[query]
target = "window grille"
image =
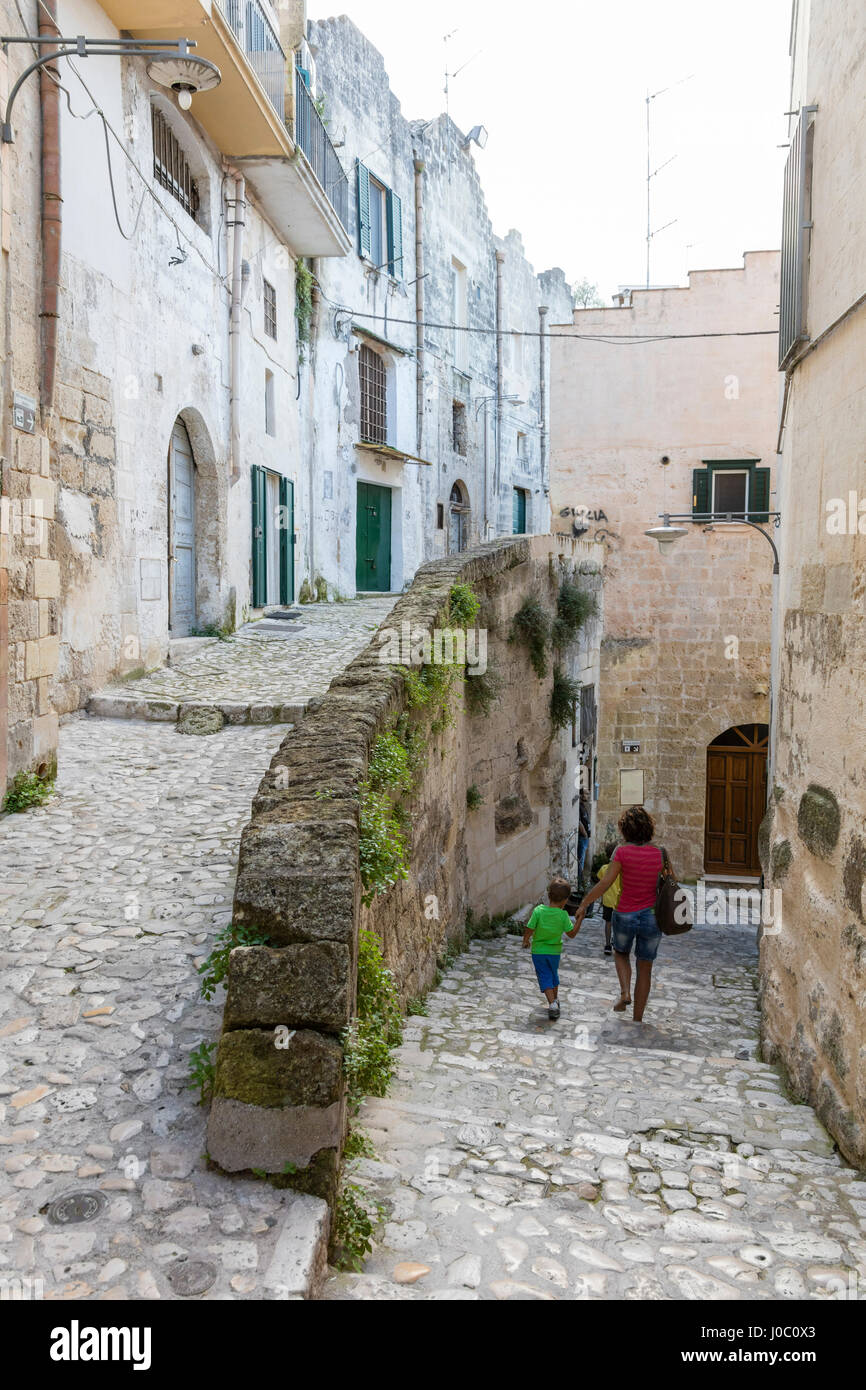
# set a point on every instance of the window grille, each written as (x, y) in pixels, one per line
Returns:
(374, 416)
(270, 310)
(170, 167)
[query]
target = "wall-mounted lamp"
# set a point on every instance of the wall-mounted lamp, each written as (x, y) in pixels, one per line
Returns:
(477, 135)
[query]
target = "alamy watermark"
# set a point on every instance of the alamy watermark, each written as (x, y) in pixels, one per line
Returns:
(447, 646)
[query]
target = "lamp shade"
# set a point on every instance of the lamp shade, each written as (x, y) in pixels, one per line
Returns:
(667, 536)
(187, 75)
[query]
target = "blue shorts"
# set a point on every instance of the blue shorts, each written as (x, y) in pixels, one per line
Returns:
(638, 929)
(547, 971)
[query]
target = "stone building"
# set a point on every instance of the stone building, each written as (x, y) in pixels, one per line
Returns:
(813, 965)
(682, 422)
(173, 422)
(424, 419)
(29, 573)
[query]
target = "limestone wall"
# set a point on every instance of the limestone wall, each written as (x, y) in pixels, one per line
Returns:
(814, 968)
(299, 877)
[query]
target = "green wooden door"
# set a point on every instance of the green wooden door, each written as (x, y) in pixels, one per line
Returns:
(373, 540)
(259, 519)
(519, 506)
(287, 541)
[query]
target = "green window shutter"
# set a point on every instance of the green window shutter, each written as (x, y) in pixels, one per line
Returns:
(364, 228)
(287, 541)
(700, 490)
(759, 494)
(260, 569)
(395, 234)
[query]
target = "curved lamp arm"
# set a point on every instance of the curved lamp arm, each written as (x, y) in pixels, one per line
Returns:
(731, 519)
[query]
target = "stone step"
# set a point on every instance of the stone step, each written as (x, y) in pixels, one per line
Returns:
(298, 1264)
(126, 705)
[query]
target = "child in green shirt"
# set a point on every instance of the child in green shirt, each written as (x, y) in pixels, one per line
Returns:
(544, 932)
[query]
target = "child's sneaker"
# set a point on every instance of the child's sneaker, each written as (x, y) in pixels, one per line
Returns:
(553, 1011)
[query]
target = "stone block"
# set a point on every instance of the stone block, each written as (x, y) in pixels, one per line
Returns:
(32, 454)
(299, 1260)
(298, 986)
(299, 882)
(199, 719)
(251, 1069)
(41, 657)
(46, 579)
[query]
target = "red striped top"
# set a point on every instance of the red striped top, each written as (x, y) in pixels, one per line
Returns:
(641, 866)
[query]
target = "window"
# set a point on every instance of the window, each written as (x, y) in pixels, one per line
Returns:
(460, 314)
(170, 167)
(374, 412)
(796, 234)
(458, 427)
(521, 445)
(736, 486)
(380, 223)
(440, 516)
(270, 310)
(270, 404)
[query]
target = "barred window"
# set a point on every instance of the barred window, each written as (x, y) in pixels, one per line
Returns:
(170, 167)
(270, 310)
(374, 417)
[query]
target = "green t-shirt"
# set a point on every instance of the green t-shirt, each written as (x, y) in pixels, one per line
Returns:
(548, 925)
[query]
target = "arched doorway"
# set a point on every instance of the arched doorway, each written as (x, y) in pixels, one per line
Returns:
(181, 533)
(736, 799)
(458, 519)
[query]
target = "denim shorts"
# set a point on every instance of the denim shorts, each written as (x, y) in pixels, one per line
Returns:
(547, 971)
(638, 929)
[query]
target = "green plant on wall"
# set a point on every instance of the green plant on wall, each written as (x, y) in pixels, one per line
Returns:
(352, 1233)
(304, 281)
(574, 607)
(562, 699)
(474, 799)
(377, 1027)
(480, 693)
(530, 626)
(215, 968)
(28, 789)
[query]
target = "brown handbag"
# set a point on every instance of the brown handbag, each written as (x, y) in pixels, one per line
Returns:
(673, 909)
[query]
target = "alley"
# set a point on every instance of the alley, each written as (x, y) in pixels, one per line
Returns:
(595, 1158)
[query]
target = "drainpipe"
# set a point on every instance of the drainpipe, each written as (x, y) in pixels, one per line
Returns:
(316, 302)
(419, 306)
(237, 223)
(542, 395)
(497, 470)
(52, 213)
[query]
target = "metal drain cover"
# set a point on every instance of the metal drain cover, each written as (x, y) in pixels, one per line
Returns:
(76, 1207)
(191, 1277)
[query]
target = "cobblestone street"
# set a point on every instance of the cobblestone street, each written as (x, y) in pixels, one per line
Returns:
(598, 1158)
(110, 895)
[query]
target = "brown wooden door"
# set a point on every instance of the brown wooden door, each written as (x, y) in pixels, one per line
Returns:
(736, 798)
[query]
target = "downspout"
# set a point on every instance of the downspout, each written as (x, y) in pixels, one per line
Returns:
(542, 395)
(237, 223)
(52, 213)
(497, 470)
(316, 303)
(419, 307)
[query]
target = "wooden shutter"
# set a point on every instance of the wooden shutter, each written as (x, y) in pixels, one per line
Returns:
(287, 541)
(759, 494)
(364, 227)
(259, 519)
(700, 490)
(395, 234)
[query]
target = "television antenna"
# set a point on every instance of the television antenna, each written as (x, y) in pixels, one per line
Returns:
(651, 173)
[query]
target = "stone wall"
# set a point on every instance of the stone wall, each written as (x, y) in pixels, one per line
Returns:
(813, 967)
(299, 877)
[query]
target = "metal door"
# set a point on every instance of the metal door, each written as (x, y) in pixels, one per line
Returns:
(373, 539)
(181, 483)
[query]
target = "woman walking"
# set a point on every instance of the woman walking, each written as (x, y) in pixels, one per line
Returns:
(637, 864)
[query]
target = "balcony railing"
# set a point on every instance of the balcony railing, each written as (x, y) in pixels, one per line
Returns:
(314, 140)
(259, 39)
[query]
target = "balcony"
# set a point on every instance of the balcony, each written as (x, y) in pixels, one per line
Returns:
(311, 135)
(249, 116)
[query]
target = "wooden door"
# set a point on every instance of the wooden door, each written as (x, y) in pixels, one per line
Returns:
(373, 539)
(736, 800)
(181, 482)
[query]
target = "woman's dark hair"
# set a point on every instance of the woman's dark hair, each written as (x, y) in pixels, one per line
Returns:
(636, 826)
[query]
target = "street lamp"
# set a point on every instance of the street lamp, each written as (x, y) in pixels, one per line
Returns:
(667, 535)
(173, 65)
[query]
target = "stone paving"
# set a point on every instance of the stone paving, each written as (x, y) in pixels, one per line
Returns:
(598, 1158)
(263, 674)
(111, 894)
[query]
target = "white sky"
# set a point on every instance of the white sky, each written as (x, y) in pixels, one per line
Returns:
(561, 86)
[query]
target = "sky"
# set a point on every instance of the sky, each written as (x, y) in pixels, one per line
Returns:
(561, 86)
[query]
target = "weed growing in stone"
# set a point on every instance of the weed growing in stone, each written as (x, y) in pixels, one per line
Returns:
(464, 605)
(357, 1145)
(562, 699)
(202, 1070)
(574, 607)
(480, 693)
(351, 1237)
(474, 799)
(215, 969)
(28, 789)
(416, 1007)
(377, 1027)
(530, 626)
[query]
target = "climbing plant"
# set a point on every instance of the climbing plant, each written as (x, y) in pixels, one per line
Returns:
(304, 281)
